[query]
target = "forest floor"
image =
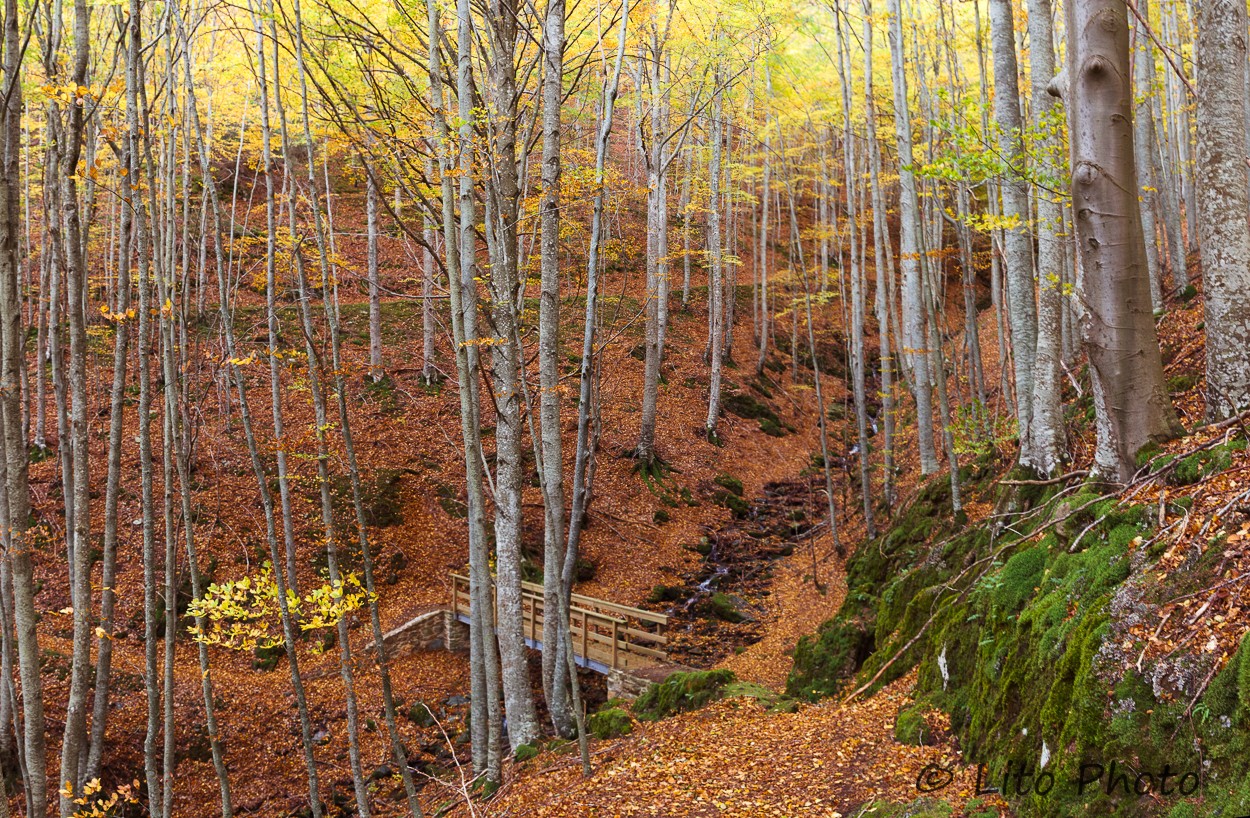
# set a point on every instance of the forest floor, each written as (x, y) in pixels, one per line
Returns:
(839, 758)
(732, 758)
(407, 436)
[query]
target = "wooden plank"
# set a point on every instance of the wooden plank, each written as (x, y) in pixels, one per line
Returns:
(602, 628)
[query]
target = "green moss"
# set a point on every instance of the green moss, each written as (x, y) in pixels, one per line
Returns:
(824, 661)
(266, 659)
(1019, 576)
(911, 728)
(722, 607)
(770, 700)
(920, 808)
(1145, 453)
(1181, 383)
(420, 715)
(449, 500)
(383, 392)
(745, 405)
(1200, 465)
(665, 593)
(772, 428)
(682, 692)
(1188, 293)
(728, 493)
(526, 752)
(729, 483)
(611, 722)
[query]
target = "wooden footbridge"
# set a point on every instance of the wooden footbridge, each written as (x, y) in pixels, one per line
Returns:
(606, 636)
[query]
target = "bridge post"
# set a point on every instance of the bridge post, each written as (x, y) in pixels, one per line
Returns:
(615, 637)
(455, 633)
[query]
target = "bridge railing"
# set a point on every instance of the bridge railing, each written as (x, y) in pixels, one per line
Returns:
(606, 636)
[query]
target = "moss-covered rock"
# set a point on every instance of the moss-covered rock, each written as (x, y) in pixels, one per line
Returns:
(1200, 465)
(1021, 638)
(723, 607)
(681, 692)
(911, 728)
(745, 405)
(770, 700)
(824, 661)
(729, 493)
(920, 808)
(729, 483)
(665, 593)
(611, 722)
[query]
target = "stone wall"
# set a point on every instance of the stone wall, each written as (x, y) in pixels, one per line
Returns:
(630, 685)
(426, 631)
(455, 633)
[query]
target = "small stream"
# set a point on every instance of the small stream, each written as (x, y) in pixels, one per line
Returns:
(738, 563)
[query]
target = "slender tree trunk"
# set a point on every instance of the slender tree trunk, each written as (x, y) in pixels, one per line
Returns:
(1017, 249)
(15, 536)
(882, 252)
(652, 160)
(1045, 447)
(852, 174)
(549, 364)
(314, 789)
(504, 191)
(376, 370)
(583, 463)
(483, 656)
(80, 534)
(1148, 172)
(1167, 172)
(765, 315)
(914, 341)
(715, 289)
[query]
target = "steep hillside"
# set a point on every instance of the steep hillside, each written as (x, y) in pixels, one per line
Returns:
(1076, 647)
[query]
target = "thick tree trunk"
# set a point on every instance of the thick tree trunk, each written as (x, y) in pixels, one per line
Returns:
(1222, 203)
(504, 192)
(1130, 397)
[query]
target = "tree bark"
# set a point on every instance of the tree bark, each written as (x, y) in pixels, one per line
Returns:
(549, 364)
(715, 287)
(1017, 249)
(1130, 397)
(915, 345)
(1222, 203)
(1045, 447)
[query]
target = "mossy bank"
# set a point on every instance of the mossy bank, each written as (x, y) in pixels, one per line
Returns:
(1027, 629)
